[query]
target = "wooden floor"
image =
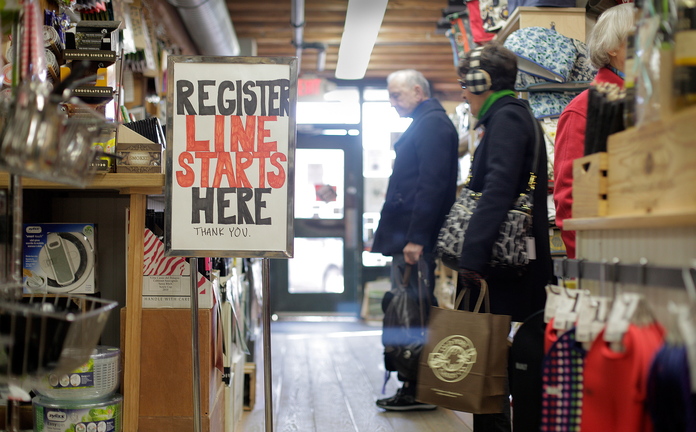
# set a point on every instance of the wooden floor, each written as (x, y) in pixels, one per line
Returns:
(327, 377)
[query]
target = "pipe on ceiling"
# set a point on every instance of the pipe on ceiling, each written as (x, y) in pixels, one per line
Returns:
(209, 25)
(297, 20)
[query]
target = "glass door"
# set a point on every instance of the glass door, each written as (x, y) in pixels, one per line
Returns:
(324, 274)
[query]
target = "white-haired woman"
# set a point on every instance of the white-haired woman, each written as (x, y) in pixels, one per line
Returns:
(607, 50)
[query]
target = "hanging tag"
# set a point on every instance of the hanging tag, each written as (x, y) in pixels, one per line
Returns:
(553, 294)
(620, 317)
(531, 248)
(600, 320)
(688, 333)
(566, 311)
(588, 309)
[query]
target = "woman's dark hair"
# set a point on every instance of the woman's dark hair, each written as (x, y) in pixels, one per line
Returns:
(499, 62)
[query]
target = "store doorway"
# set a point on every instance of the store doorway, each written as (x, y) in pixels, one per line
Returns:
(324, 275)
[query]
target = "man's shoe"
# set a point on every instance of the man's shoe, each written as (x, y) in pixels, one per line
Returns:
(403, 402)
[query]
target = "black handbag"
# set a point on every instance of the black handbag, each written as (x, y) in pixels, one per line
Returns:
(404, 331)
(510, 249)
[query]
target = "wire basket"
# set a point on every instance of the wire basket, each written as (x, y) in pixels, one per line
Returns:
(43, 334)
(39, 140)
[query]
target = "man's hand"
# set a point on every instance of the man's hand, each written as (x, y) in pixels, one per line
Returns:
(412, 252)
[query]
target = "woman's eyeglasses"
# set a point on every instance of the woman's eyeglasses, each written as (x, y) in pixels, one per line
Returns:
(462, 84)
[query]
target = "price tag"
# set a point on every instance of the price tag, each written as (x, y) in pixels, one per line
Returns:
(620, 317)
(553, 296)
(588, 309)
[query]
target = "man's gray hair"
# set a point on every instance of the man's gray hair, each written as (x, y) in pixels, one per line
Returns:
(412, 78)
(610, 32)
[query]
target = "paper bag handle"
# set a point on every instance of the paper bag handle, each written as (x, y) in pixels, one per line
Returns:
(483, 296)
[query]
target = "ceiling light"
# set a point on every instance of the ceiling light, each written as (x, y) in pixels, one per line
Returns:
(363, 20)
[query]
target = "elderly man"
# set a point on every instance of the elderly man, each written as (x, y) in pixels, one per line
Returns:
(421, 191)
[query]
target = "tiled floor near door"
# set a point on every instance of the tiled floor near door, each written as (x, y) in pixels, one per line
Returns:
(326, 378)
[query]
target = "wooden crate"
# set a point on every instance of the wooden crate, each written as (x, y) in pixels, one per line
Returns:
(166, 371)
(652, 169)
(590, 186)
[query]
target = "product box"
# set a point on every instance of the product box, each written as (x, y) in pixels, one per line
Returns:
(59, 258)
(137, 153)
(166, 280)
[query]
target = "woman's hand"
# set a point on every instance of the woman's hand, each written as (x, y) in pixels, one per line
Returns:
(412, 252)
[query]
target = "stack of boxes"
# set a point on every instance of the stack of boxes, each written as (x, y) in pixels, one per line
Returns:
(82, 400)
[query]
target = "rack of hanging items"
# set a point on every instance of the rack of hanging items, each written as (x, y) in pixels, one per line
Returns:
(619, 346)
(41, 333)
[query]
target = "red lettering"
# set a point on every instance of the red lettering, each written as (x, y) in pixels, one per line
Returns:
(261, 157)
(244, 161)
(262, 133)
(224, 168)
(242, 136)
(192, 144)
(277, 181)
(186, 177)
(205, 158)
(219, 133)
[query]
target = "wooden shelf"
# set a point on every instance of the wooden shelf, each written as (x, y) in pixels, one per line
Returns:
(571, 22)
(138, 187)
(631, 222)
(147, 184)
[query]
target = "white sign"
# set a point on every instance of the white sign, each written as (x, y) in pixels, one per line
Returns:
(230, 156)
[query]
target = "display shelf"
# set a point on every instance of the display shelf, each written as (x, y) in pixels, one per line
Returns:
(148, 184)
(571, 22)
(138, 187)
(631, 222)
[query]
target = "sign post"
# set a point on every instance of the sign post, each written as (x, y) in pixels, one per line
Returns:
(230, 169)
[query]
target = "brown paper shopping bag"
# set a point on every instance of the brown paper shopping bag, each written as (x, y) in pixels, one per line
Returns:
(463, 365)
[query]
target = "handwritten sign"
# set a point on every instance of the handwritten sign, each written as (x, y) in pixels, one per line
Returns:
(230, 156)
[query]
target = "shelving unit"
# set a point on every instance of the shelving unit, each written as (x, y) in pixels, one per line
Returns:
(571, 22)
(138, 187)
(649, 233)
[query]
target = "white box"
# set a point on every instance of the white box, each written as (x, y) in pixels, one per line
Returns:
(59, 258)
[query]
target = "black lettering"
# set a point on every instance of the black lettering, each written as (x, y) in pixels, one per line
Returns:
(250, 101)
(204, 205)
(225, 106)
(184, 90)
(284, 97)
(259, 204)
(244, 195)
(224, 204)
(263, 85)
(203, 96)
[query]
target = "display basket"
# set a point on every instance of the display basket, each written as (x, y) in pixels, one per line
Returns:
(49, 333)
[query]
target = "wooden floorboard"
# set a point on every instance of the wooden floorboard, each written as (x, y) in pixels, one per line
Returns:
(327, 377)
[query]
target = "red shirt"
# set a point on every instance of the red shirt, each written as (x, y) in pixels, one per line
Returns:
(570, 145)
(615, 383)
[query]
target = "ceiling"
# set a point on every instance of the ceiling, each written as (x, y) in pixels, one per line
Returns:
(408, 38)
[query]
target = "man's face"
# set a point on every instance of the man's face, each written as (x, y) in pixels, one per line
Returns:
(403, 97)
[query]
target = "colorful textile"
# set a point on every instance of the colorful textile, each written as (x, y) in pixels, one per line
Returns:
(615, 382)
(562, 376)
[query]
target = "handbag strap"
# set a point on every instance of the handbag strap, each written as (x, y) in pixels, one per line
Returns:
(531, 185)
(405, 278)
(483, 297)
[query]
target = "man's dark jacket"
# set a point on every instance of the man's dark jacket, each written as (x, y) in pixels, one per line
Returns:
(423, 183)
